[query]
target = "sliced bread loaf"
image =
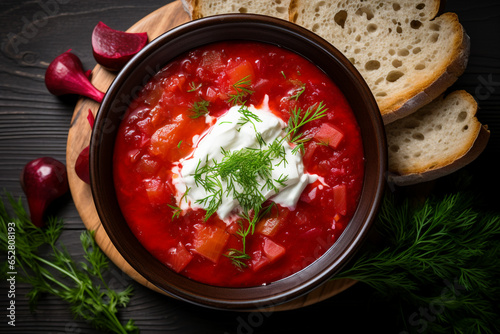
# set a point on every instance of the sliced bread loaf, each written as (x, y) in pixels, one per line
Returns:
(198, 9)
(408, 57)
(436, 140)
(406, 54)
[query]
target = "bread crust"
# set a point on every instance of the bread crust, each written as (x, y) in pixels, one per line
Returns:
(474, 151)
(427, 91)
(196, 8)
(189, 6)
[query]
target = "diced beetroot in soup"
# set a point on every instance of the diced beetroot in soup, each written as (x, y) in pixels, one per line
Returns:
(176, 83)
(268, 254)
(259, 261)
(340, 199)
(309, 194)
(272, 250)
(329, 135)
(178, 257)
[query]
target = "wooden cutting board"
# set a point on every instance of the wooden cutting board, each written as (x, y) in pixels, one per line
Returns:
(154, 24)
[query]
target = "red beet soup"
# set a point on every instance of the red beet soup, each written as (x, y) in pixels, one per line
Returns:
(238, 164)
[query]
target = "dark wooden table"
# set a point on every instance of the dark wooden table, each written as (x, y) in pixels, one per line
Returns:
(33, 123)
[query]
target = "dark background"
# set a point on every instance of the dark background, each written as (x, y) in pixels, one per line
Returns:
(33, 123)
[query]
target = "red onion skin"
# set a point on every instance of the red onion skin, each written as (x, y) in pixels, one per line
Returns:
(65, 75)
(43, 180)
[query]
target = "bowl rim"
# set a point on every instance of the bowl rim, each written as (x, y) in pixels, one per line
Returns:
(115, 104)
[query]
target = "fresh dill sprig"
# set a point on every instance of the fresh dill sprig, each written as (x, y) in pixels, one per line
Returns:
(239, 171)
(176, 211)
(199, 108)
(242, 90)
(298, 119)
(299, 92)
(247, 117)
(80, 284)
(193, 87)
(239, 257)
(441, 252)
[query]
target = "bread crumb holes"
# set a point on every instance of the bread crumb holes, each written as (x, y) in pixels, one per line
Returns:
(394, 148)
(462, 116)
(371, 27)
(394, 76)
(340, 18)
(418, 136)
(372, 65)
(397, 63)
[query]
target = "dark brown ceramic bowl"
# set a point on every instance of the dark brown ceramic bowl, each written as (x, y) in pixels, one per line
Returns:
(155, 56)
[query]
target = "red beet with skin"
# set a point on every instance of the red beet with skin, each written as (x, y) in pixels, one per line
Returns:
(43, 180)
(82, 162)
(82, 165)
(65, 75)
(113, 48)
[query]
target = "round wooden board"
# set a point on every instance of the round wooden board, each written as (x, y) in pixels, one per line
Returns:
(154, 24)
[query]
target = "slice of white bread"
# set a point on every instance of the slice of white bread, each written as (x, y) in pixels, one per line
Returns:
(198, 9)
(406, 54)
(436, 140)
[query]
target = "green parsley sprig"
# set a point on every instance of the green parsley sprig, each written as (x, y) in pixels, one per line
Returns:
(81, 285)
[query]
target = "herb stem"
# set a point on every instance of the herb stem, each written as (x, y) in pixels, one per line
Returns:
(58, 268)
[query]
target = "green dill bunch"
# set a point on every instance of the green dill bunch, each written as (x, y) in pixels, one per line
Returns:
(80, 284)
(439, 257)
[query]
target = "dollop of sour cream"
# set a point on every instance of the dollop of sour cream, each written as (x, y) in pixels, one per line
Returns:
(229, 134)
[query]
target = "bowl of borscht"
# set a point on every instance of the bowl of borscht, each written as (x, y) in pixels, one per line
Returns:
(238, 161)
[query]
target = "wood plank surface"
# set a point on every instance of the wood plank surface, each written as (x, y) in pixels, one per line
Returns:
(34, 123)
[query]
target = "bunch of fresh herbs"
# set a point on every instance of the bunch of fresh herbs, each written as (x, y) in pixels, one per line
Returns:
(80, 284)
(439, 259)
